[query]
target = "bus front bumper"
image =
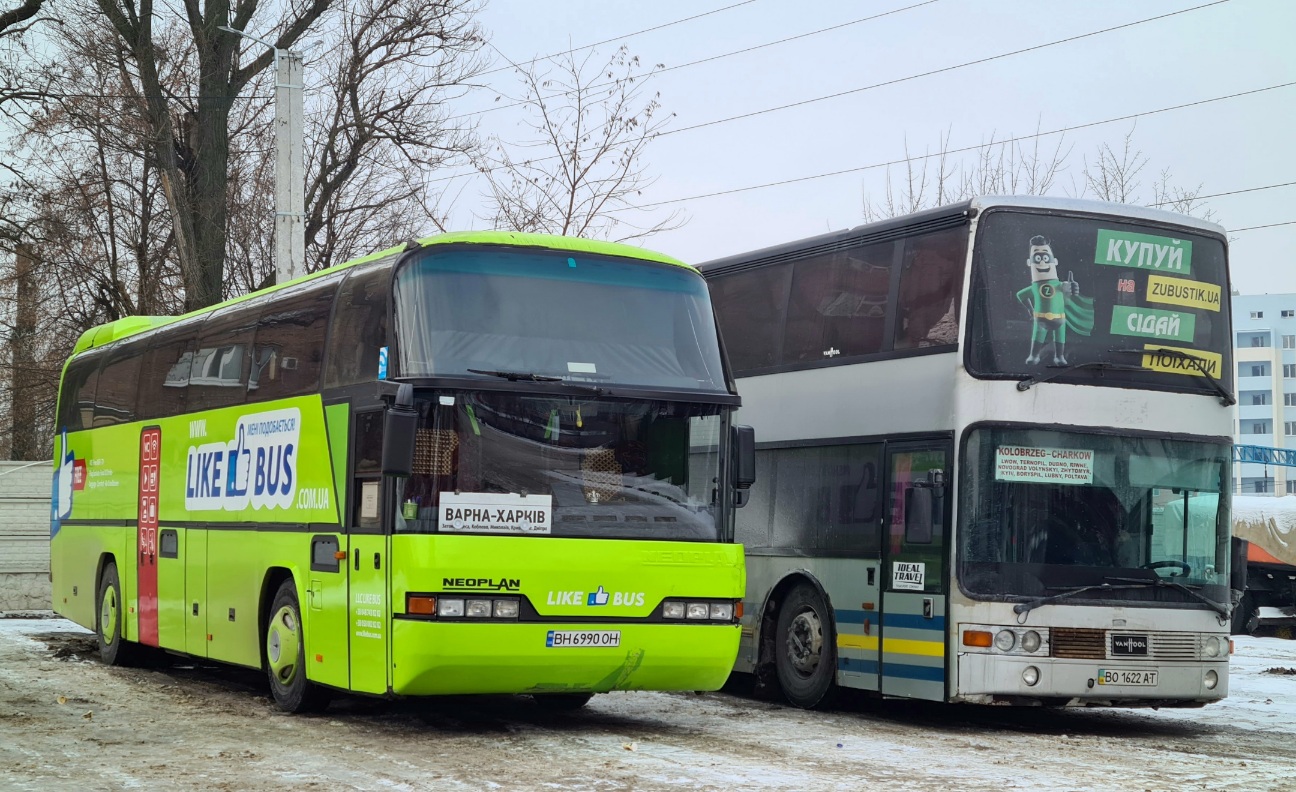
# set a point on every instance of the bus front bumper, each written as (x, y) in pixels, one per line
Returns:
(438, 658)
(998, 679)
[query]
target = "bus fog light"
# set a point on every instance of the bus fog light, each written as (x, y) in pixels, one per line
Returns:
(673, 610)
(1005, 640)
(478, 609)
(1031, 641)
(722, 611)
(698, 610)
(1030, 676)
(450, 607)
(506, 609)
(1211, 680)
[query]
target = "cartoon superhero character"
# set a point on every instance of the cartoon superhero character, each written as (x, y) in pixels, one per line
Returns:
(1054, 305)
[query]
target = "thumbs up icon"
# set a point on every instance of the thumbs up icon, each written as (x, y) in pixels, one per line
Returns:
(64, 479)
(599, 597)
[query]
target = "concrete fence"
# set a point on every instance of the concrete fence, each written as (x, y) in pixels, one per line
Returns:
(24, 535)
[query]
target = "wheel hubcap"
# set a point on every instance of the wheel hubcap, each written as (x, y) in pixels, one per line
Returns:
(805, 642)
(283, 645)
(108, 616)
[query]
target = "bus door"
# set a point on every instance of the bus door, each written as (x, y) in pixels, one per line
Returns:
(369, 526)
(914, 593)
(150, 463)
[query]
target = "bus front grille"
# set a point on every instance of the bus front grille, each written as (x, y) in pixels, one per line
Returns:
(1078, 643)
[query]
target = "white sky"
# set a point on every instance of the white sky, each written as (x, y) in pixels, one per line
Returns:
(1236, 46)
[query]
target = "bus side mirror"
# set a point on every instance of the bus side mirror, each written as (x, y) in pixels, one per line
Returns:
(919, 507)
(400, 425)
(744, 452)
(1238, 565)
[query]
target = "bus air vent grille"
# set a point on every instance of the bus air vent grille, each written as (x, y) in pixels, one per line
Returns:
(1078, 643)
(1172, 646)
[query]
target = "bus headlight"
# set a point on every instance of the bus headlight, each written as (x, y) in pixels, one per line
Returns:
(478, 609)
(1030, 676)
(450, 607)
(506, 609)
(1211, 647)
(698, 610)
(1030, 641)
(1005, 640)
(722, 611)
(673, 610)
(1210, 680)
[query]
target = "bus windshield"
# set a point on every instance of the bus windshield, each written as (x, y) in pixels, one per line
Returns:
(1044, 512)
(571, 465)
(464, 310)
(1122, 303)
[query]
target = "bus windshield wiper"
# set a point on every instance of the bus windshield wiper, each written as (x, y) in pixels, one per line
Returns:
(1203, 370)
(529, 376)
(1026, 607)
(515, 376)
(1058, 371)
(1177, 586)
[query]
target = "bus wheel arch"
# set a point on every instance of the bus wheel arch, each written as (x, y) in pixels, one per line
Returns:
(798, 614)
(284, 650)
(114, 649)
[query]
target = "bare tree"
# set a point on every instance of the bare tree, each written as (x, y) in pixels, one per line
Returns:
(1114, 176)
(996, 167)
(189, 134)
(580, 170)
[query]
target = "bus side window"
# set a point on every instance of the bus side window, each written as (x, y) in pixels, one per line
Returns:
(366, 483)
(838, 305)
(118, 385)
(289, 346)
(750, 306)
(931, 282)
(219, 373)
(76, 399)
(359, 326)
(164, 377)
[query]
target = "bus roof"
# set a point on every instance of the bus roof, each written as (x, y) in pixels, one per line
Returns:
(105, 334)
(941, 216)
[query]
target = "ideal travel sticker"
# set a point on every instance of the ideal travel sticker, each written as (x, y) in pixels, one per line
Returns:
(908, 576)
(1044, 465)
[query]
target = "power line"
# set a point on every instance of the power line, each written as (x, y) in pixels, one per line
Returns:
(1230, 192)
(727, 54)
(1267, 225)
(884, 84)
(625, 36)
(942, 70)
(960, 150)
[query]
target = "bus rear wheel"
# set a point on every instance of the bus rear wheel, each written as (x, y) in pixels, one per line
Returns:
(285, 651)
(804, 658)
(113, 647)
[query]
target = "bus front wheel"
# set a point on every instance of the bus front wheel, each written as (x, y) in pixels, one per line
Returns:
(805, 659)
(285, 650)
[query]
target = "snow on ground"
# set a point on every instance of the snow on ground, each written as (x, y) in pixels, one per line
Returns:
(67, 722)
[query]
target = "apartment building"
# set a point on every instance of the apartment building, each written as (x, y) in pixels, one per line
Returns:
(1264, 327)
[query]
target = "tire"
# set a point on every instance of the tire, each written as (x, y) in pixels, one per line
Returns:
(285, 655)
(562, 702)
(1242, 614)
(805, 656)
(114, 649)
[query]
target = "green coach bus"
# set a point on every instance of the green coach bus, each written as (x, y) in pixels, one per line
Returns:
(476, 463)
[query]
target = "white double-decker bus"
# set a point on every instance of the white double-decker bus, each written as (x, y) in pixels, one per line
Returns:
(994, 456)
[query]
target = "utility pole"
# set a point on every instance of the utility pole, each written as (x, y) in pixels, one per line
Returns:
(290, 167)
